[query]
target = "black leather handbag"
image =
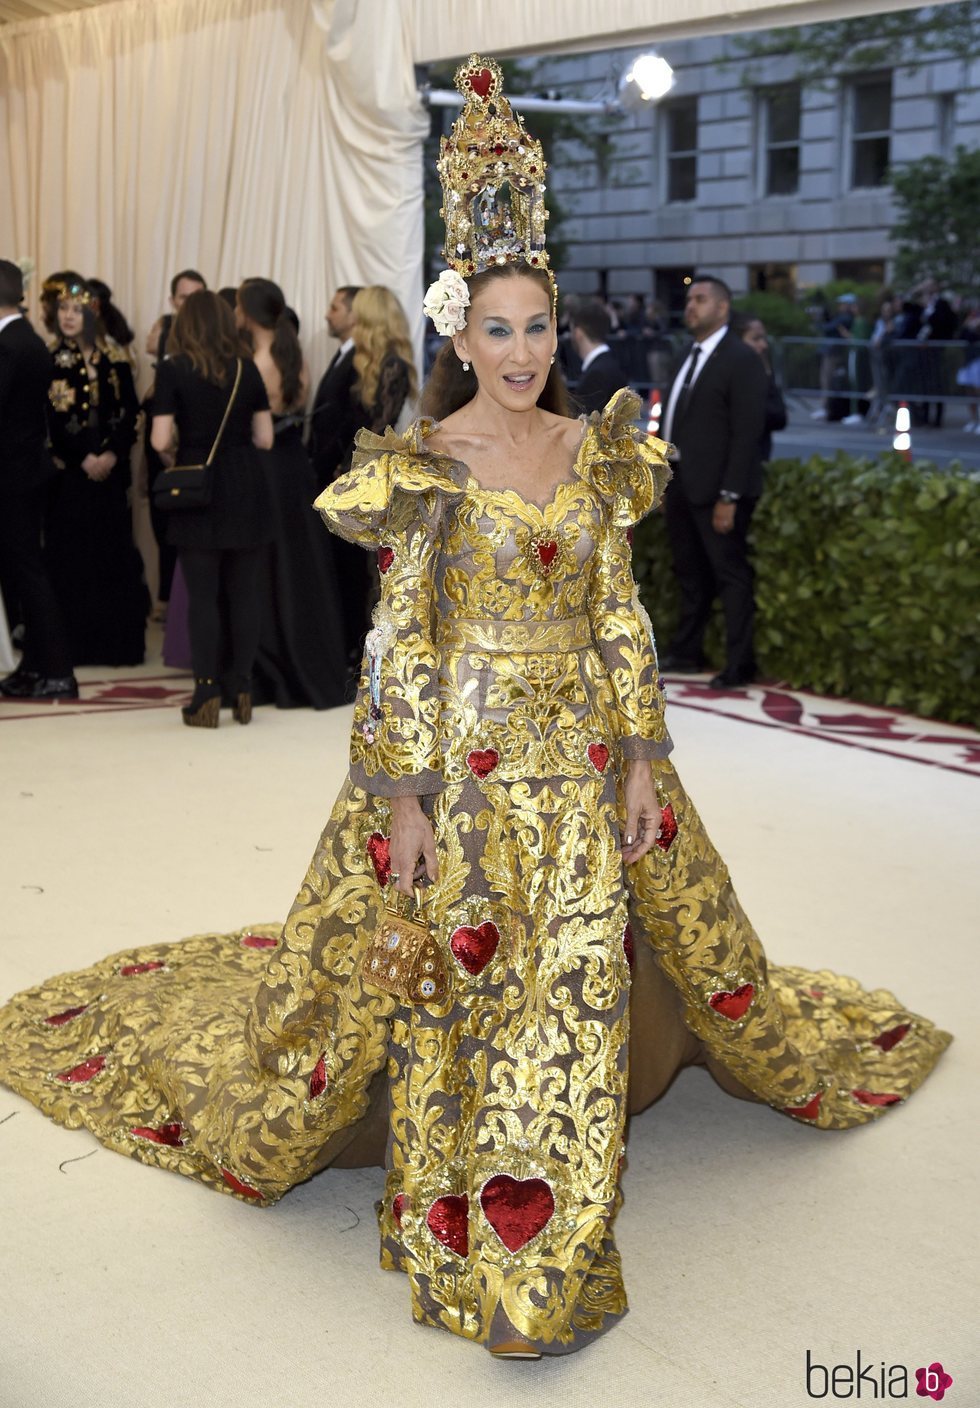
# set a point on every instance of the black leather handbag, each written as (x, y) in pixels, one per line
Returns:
(190, 485)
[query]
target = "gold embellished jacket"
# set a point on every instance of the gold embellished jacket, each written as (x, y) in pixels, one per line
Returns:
(507, 632)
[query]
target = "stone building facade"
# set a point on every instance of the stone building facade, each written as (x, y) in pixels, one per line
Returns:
(764, 181)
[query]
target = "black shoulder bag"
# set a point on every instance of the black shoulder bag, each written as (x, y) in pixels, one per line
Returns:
(190, 485)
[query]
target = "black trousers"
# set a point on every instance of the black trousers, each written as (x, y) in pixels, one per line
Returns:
(46, 649)
(222, 583)
(709, 564)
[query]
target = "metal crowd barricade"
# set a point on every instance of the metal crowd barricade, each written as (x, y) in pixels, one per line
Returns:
(879, 374)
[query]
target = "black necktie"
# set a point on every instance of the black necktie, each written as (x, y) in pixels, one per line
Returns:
(685, 395)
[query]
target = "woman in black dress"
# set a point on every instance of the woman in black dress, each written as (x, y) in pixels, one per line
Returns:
(301, 647)
(95, 568)
(219, 546)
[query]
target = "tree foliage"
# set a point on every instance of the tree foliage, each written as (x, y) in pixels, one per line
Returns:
(936, 231)
(900, 39)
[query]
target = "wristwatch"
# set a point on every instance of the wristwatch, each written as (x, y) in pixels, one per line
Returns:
(729, 496)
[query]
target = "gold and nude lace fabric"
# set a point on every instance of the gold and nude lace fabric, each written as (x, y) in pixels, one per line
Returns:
(509, 677)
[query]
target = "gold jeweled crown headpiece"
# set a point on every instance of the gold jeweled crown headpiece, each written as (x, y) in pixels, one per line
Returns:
(62, 290)
(493, 185)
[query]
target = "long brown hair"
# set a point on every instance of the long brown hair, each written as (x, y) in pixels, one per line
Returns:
(448, 387)
(264, 302)
(204, 332)
(380, 331)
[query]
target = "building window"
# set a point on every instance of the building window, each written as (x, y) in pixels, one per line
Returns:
(945, 124)
(773, 278)
(871, 121)
(860, 271)
(682, 149)
(781, 136)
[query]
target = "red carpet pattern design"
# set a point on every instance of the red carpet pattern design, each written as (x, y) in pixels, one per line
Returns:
(840, 721)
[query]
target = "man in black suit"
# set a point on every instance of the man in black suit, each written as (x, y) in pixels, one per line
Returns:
(602, 375)
(337, 416)
(45, 670)
(715, 419)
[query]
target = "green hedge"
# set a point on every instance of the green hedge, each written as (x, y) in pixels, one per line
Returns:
(867, 585)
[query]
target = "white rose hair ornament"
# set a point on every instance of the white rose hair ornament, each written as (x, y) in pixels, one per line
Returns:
(493, 188)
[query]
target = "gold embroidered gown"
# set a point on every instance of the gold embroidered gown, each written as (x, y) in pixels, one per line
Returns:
(514, 673)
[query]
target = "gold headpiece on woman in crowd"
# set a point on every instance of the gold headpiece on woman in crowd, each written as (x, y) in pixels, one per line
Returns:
(61, 291)
(493, 185)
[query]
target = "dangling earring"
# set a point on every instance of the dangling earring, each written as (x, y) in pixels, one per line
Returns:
(466, 366)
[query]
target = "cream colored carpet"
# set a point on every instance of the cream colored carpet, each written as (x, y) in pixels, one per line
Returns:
(747, 1240)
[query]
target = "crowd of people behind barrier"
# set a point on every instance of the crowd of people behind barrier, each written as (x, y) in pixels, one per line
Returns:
(863, 356)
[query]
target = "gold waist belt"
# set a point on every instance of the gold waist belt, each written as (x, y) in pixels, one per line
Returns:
(515, 637)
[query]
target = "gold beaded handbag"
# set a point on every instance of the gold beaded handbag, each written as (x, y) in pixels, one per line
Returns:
(403, 958)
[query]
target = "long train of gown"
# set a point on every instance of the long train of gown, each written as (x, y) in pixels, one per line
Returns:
(252, 1060)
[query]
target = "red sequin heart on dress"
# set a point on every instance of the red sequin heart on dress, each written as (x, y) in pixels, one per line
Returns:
(79, 1074)
(258, 941)
(447, 1221)
(598, 756)
(131, 969)
(546, 551)
(807, 1111)
(482, 761)
(398, 1207)
(517, 1209)
(58, 1019)
(628, 948)
(474, 948)
(170, 1134)
(481, 81)
(386, 557)
(379, 854)
(238, 1186)
(869, 1097)
(668, 828)
(886, 1040)
(733, 1005)
(318, 1080)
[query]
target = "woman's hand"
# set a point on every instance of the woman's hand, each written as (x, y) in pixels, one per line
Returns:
(412, 837)
(643, 814)
(90, 466)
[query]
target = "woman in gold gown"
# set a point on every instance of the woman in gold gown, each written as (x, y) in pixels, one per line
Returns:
(509, 729)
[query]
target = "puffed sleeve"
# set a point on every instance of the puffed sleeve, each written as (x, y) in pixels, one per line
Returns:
(629, 470)
(392, 500)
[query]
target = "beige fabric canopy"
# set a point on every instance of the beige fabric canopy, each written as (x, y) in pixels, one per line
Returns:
(274, 137)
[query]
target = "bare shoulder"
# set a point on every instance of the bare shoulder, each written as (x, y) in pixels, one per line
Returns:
(453, 434)
(567, 430)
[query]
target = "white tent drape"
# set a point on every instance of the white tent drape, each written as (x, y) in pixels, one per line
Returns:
(239, 137)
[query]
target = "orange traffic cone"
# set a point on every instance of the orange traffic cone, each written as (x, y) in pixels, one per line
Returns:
(902, 444)
(653, 413)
